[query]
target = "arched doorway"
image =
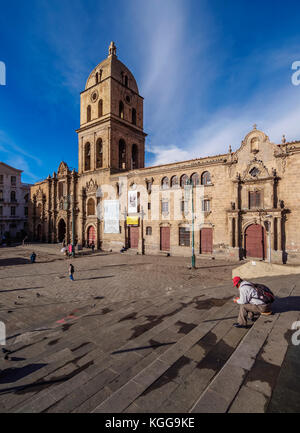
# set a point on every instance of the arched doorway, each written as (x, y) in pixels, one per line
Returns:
(255, 241)
(91, 235)
(61, 230)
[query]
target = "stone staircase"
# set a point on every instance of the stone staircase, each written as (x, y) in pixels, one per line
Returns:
(150, 355)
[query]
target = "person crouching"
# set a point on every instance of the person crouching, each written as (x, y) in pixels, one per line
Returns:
(249, 302)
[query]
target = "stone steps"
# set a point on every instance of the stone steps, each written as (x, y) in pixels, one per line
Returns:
(186, 358)
(246, 381)
(108, 368)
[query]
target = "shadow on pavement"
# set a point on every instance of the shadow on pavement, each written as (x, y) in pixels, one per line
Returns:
(16, 290)
(14, 261)
(290, 303)
(10, 375)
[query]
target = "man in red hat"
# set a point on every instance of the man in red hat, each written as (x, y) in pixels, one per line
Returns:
(249, 302)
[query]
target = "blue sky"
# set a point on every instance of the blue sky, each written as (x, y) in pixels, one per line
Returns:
(208, 71)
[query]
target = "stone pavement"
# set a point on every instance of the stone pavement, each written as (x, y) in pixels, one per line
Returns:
(141, 334)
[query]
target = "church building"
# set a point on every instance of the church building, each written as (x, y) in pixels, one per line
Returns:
(241, 204)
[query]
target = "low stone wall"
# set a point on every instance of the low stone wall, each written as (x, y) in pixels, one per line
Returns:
(257, 269)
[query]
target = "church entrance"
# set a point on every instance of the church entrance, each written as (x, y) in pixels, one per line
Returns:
(61, 230)
(91, 235)
(255, 241)
(133, 237)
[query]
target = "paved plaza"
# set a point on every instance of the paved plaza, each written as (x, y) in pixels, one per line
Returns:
(139, 333)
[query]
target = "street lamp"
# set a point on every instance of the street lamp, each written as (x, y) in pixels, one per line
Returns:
(189, 189)
(70, 202)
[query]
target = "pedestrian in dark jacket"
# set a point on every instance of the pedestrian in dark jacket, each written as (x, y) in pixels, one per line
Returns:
(33, 257)
(71, 271)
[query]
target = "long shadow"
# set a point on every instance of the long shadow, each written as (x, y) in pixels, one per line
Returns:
(95, 278)
(16, 290)
(222, 318)
(127, 264)
(152, 346)
(290, 303)
(14, 261)
(10, 375)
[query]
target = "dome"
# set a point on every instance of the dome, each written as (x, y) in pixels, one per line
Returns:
(112, 67)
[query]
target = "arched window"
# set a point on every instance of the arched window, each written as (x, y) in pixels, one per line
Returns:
(87, 156)
(91, 206)
(195, 179)
(99, 153)
(205, 178)
(121, 110)
(149, 231)
(1, 195)
(134, 116)
(126, 81)
(97, 77)
(100, 108)
(165, 183)
(184, 180)
(174, 182)
(88, 113)
(26, 198)
(13, 196)
(134, 157)
(122, 154)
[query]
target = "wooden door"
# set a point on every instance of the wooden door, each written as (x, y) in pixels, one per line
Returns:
(91, 235)
(165, 238)
(206, 241)
(255, 241)
(133, 237)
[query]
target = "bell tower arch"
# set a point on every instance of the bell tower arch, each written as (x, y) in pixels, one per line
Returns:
(111, 134)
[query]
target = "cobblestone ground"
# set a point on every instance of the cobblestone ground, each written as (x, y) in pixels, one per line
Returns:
(139, 333)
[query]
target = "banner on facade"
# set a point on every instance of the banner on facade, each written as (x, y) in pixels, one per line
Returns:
(132, 201)
(132, 221)
(111, 216)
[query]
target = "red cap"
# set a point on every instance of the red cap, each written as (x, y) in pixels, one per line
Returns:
(236, 280)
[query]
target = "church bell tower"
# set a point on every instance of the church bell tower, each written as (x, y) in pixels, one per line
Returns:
(111, 132)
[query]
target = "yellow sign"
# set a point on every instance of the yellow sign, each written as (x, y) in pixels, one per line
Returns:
(132, 221)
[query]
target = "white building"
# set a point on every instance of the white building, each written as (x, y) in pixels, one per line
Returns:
(14, 198)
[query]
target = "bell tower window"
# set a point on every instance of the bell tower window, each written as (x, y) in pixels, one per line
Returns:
(100, 108)
(99, 153)
(134, 157)
(87, 156)
(121, 110)
(134, 116)
(88, 113)
(122, 155)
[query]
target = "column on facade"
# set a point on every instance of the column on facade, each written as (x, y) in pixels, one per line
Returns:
(279, 234)
(54, 209)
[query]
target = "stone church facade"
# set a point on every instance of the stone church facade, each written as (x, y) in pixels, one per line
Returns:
(242, 204)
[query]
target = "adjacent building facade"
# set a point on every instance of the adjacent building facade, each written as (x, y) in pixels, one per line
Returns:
(238, 204)
(14, 201)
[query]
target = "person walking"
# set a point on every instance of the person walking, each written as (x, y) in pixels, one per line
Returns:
(252, 300)
(70, 250)
(71, 271)
(33, 257)
(93, 246)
